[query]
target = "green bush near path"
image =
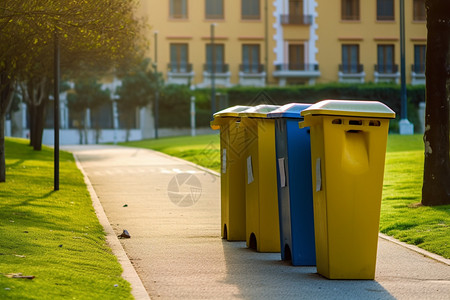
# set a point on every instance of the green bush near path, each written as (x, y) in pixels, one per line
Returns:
(401, 215)
(54, 236)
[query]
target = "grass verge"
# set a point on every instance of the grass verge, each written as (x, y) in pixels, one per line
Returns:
(401, 216)
(54, 236)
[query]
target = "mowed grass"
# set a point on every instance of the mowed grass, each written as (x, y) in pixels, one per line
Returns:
(203, 150)
(401, 215)
(54, 236)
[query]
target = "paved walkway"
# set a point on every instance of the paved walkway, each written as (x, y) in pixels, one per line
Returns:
(176, 248)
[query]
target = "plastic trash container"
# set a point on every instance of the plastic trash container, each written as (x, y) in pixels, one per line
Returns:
(232, 179)
(348, 147)
(295, 202)
(262, 225)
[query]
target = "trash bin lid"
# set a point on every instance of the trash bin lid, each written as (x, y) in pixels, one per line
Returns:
(291, 110)
(231, 111)
(354, 108)
(259, 111)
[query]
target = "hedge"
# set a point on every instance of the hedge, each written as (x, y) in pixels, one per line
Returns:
(175, 103)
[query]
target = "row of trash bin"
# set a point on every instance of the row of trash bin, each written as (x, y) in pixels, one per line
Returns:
(306, 180)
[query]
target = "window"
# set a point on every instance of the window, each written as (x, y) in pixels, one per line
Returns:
(419, 13)
(250, 9)
(178, 9)
(385, 10)
(296, 7)
(386, 59)
(179, 58)
(350, 10)
(296, 54)
(214, 9)
(218, 60)
(250, 59)
(419, 59)
(350, 59)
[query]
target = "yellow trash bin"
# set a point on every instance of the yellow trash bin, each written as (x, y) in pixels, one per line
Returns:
(232, 182)
(262, 220)
(348, 146)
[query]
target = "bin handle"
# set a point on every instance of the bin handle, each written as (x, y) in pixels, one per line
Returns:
(302, 124)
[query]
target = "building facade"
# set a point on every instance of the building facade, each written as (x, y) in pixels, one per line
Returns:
(281, 42)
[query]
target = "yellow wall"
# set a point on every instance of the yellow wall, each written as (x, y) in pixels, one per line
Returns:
(233, 32)
(195, 31)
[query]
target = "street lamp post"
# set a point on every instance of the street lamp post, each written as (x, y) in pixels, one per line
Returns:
(405, 126)
(213, 71)
(157, 86)
(56, 112)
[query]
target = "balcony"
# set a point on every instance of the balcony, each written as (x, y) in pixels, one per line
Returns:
(221, 74)
(252, 75)
(417, 74)
(386, 73)
(293, 19)
(351, 73)
(297, 72)
(180, 73)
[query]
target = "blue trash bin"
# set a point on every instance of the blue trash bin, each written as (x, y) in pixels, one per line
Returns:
(295, 201)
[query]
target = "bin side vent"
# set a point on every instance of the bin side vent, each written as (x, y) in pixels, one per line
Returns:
(287, 252)
(252, 243)
(374, 123)
(225, 232)
(337, 121)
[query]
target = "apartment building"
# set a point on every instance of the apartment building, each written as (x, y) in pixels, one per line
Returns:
(282, 42)
(359, 41)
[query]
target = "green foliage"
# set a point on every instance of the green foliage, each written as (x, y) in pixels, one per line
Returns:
(54, 236)
(174, 106)
(138, 86)
(88, 93)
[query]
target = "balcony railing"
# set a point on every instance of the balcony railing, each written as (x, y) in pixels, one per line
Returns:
(293, 19)
(179, 67)
(218, 68)
(251, 68)
(386, 69)
(297, 67)
(351, 69)
(418, 68)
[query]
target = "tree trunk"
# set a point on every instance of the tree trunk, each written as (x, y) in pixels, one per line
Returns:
(6, 95)
(436, 176)
(2, 148)
(39, 123)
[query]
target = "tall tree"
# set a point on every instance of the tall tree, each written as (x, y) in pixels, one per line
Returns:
(137, 90)
(94, 35)
(436, 176)
(88, 94)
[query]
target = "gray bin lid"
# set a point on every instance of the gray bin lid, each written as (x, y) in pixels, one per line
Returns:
(350, 108)
(259, 111)
(231, 111)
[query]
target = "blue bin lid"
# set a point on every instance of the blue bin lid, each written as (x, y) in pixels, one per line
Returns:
(291, 110)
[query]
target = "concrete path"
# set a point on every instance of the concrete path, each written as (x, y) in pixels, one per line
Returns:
(176, 249)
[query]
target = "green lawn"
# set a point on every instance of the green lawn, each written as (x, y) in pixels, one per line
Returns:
(401, 217)
(54, 236)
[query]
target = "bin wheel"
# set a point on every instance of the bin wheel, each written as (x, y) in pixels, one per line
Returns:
(287, 253)
(225, 232)
(252, 243)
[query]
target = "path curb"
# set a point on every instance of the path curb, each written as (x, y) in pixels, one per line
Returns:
(129, 273)
(416, 249)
